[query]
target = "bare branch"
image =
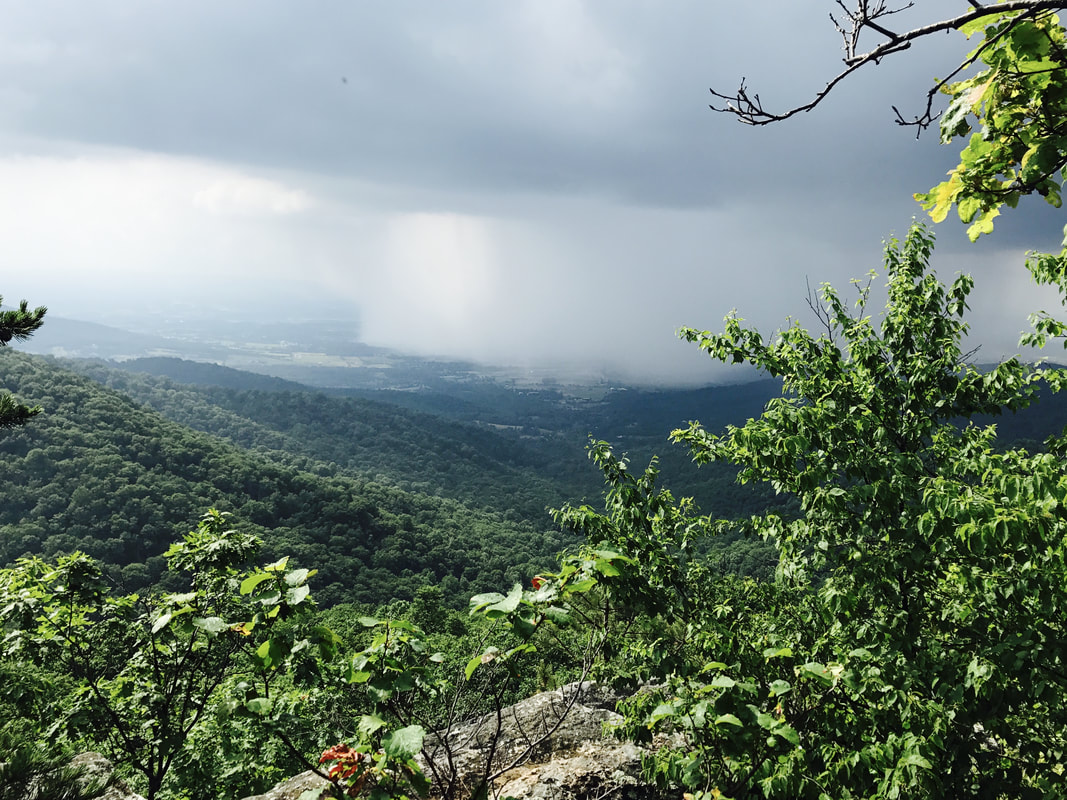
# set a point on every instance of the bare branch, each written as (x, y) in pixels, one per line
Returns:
(749, 110)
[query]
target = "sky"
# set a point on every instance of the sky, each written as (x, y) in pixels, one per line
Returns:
(531, 182)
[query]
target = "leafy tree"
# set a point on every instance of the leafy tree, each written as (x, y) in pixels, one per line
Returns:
(913, 643)
(145, 668)
(27, 765)
(18, 324)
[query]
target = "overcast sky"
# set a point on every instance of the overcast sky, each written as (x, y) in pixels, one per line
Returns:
(526, 181)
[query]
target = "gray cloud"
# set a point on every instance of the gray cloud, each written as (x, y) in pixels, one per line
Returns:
(568, 144)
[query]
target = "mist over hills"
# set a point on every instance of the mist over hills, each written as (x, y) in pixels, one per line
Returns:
(326, 353)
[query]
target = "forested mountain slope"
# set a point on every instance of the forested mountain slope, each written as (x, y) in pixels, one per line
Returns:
(519, 469)
(520, 477)
(490, 445)
(100, 473)
(477, 441)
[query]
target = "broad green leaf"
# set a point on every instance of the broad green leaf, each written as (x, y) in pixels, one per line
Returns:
(817, 671)
(404, 743)
(983, 225)
(914, 760)
(490, 654)
(660, 712)
(487, 598)
(210, 624)
(259, 705)
(728, 719)
(974, 26)
(777, 652)
(582, 586)
(789, 733)
(252, 581)
(370, 723)
(607, 569)
(766, 721)
(506, 605)
(296, 577)
(298, 594)
(472, 665)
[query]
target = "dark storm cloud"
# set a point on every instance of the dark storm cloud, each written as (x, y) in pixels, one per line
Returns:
(532, 179)
(597, 98)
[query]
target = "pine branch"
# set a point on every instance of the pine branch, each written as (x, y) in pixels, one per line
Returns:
(21, 323)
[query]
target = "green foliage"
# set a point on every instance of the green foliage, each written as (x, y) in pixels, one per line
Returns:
(1018, 102)
(912, 644)
(103, 475)
(146, 668)
(29, 771)
(514, 452)
(18, 324)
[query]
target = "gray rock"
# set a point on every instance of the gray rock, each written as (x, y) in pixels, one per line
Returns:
(95, 767)
(293, 788)
(552, 746)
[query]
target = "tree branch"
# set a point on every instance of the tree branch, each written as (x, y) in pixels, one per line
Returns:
(748, 108)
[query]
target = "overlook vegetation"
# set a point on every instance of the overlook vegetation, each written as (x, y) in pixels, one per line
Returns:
(911, 642)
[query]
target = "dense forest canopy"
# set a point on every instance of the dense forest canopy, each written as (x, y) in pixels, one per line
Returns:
(101, 474)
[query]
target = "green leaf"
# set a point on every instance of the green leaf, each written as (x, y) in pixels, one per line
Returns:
(404, 743)
(914, 760)
(817, 671)
(484, 599)
(789, 733)
(296, 577)
(582, 586)
(728, 719)
(983, 225)
(161, 622)
(660, 712)
(277, 566)
(766, 721)
(607, 569)
(210, 624)
(271, 653)
(259, 705)
(974, 26)
(472, 665)
(370, 723)
(252, 581)
(298, 594)
(495, 605)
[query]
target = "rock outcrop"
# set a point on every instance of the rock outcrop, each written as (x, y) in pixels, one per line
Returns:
(94, 767)
(293, 788)
(551, 746)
